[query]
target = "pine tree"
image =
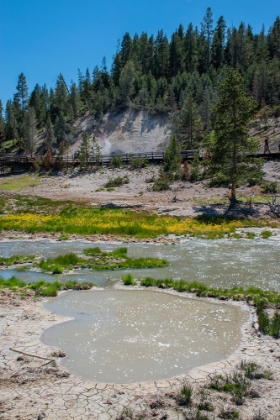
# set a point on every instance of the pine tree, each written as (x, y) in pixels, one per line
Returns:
(21, 97)
(217, 54)
(126, 84)
(60, 96)
(172, 158)
(273, 39)
(11, 121)
(191, 49)
(231, 146)
(161, 58)
(49, 135)
(85, 149)
(74, 100)
(207, 31)
(30, 128)
(61, 129)
(205, 109)
(189, 124)
(2, 125)
(39, 102)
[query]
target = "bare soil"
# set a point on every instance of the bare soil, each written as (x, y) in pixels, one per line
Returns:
(186, 199)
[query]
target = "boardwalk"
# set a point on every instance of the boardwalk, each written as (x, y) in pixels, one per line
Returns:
(14, 162)
(26, 162)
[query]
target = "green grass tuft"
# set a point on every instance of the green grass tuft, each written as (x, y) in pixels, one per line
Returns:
(128, 280)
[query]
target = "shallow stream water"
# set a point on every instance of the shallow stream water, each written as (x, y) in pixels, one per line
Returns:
(219, 263)
(128, 336)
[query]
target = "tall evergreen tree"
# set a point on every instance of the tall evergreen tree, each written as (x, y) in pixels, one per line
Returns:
(30, 128)
(2, 125)
(126, 84)
(217, 55)
(21, 97)
(11, 121)
(206, 39)
(273, 39)
(172, 157)
(161, 57)
(49, 135)
(189, 124)
(231, 146)
(38, 101)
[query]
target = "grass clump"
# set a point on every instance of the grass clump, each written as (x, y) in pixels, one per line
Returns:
(266, 234)
(275, 326)
(63, 237)
(185, 395)
(128, 280)
(253, 371)
(99, 260)
(92, 251)
(41, 287)
(11, 283)
(250, 235)
(236, 385)
(57, 265)
(16, 259)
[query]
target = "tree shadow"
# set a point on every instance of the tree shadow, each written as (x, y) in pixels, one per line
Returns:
(238, 211)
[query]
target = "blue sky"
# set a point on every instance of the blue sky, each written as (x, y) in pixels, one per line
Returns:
(43, 38)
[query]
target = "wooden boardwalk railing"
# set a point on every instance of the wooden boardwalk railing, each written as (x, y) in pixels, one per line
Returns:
(25, 162)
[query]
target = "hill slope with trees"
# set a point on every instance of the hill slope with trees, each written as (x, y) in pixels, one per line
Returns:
(178, 77)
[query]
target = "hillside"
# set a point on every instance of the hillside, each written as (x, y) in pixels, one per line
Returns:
(129, 131)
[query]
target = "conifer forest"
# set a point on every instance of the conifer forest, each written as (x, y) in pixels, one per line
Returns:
(179, 76)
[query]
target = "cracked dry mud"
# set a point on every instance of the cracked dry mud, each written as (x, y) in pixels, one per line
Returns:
(32, 388)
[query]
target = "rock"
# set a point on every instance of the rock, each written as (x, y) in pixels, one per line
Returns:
(119, 205)
(166, 209)
(41, 416)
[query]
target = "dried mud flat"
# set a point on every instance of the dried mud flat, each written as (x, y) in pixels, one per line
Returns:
(37, 388)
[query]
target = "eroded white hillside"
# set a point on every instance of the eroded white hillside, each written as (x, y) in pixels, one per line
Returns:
(129, 131)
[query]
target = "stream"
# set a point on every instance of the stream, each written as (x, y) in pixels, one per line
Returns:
(129, 336)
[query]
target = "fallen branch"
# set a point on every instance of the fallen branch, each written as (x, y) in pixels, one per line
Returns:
(30, 355)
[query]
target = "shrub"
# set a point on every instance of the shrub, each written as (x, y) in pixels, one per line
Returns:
(138, 162)
(162, 184)
(117, 182)
(116, 162)
(270, 187)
